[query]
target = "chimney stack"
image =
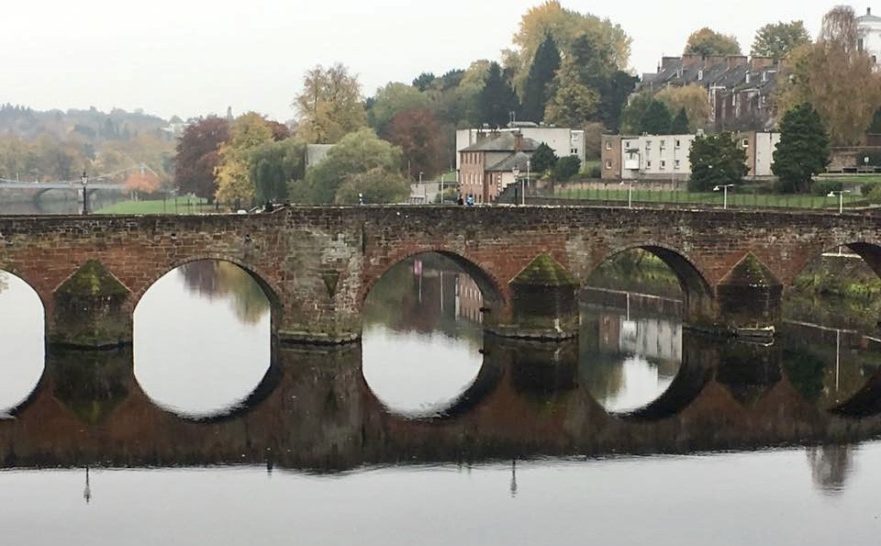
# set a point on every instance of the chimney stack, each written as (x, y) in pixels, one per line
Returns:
(518, 142)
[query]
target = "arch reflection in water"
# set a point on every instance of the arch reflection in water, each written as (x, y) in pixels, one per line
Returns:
(631, 336)
(22, 342)
(202, 339)
(422, 336)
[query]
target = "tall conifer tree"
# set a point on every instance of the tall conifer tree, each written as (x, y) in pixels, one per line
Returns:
(536, 91)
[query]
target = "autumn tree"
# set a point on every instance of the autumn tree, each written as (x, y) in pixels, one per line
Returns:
(550, 18)
(693, 98)
(777, 40)
(631, 116)
(536, 90)
(418, 134)
(837, 78)
(142, 182)
(716, 160)
(497, 99)
(329, 106)
(356, 153)
(234, 183)
(706, 42)
(391, 100)
(803, 150)
(198, 156)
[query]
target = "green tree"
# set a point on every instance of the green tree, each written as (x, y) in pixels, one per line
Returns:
(566, 168)
(390, 101)
(680, 123)
(374, 186)
(543, 159)
(803, 150)
(708, 42)
(329, 105)
(656, 119)
(716, 160)
(424, 81)
(614, 93)
(777, 40)
(356, 153)
(536, 90)
(631, 117)
(497, 99)
(573, 103)
(273, 166)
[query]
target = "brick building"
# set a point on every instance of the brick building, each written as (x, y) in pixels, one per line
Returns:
(738, 88)
(488, 166)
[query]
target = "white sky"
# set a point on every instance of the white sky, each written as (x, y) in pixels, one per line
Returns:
(192, 57)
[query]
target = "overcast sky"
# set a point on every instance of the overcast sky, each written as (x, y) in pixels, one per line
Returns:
(193, 57)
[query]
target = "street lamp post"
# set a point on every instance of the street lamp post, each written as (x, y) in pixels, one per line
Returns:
(724, 189)
(516, 172)
(629, 193)
(840, 199)
(85, 182)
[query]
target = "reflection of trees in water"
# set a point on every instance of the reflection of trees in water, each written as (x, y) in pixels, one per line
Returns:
(637, 270)
(830, 465)
(401, 301)
(218, 279)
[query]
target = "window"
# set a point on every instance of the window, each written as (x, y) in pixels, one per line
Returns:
(663, 164)
(675, 164)
(573, 151)
(608, 164)
(648, 164)
(608, 144)
(648, 144)
(678, 143)
(746, 143)
(663, 144)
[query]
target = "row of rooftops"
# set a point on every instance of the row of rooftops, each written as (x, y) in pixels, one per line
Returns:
(732, 72)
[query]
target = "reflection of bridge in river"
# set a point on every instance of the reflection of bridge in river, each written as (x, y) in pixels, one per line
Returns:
(314, 410)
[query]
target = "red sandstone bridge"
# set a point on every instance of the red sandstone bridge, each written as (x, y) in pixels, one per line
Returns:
(318, 264)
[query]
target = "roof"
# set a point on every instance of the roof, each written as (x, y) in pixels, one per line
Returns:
(729, 73)
(868, 17)
(504, 142)
(511, 162)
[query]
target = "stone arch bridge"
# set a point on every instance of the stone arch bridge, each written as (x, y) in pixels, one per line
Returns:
(317, 264)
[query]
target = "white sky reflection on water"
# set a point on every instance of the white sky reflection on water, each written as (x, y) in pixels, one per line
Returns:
(417, 375)
(22, 346)
(729, 499)
(193, 355)
(641, 385)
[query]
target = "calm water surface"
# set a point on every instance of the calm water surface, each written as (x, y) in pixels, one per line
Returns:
(429, 431)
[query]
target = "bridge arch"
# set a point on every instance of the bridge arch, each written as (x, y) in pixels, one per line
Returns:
(493, 290)
(269, 288)
(23, 334)
(696, 290)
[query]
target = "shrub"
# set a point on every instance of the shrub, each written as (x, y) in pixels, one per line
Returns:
(566, 168)
(823, 187)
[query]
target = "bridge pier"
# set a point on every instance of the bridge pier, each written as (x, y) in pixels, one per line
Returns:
(544, 303)
(91, 309)
(750, 300)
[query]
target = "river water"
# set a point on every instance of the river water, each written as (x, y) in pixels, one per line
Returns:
(429, 432)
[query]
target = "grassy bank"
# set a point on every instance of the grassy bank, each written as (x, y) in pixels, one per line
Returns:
(178, 205)
(735, 198)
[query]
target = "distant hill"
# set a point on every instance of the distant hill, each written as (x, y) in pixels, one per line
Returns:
(58, 145)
